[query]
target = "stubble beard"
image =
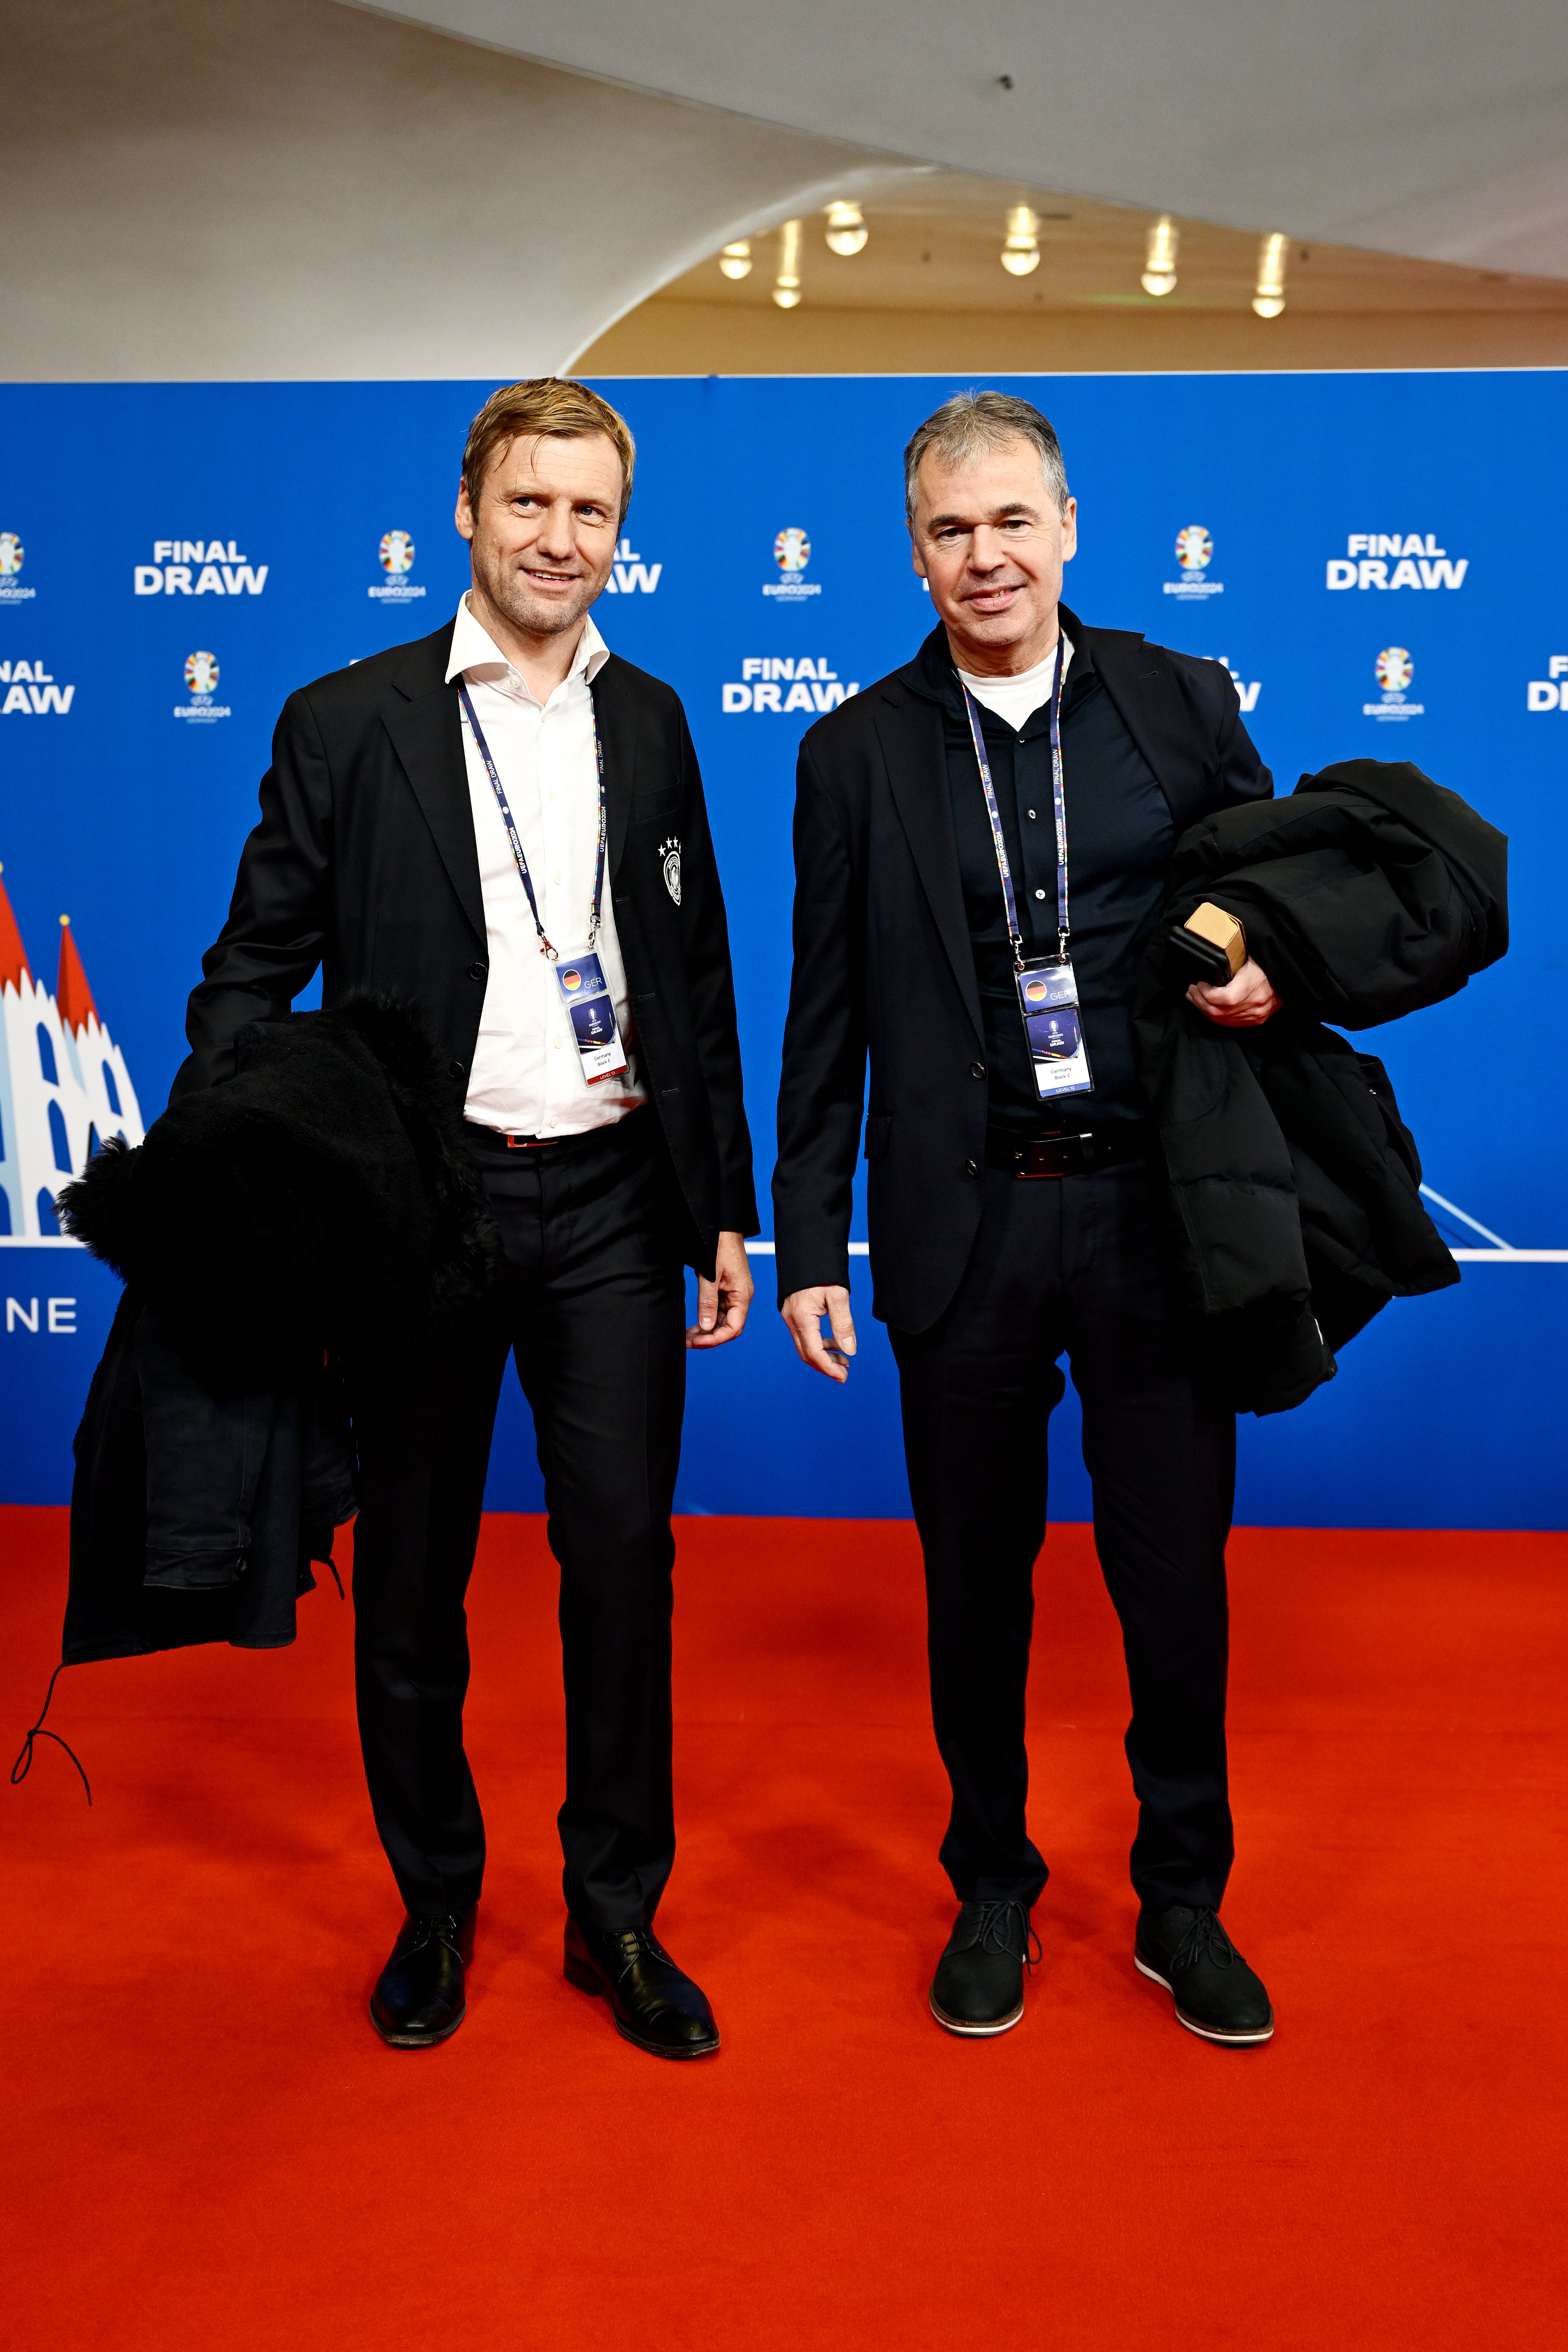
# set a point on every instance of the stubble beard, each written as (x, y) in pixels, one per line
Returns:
(537, 616)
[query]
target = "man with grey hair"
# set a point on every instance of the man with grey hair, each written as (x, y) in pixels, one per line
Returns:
(981, 841)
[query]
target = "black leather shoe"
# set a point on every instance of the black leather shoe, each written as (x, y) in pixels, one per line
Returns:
(418, 1997)
(979, 1983)
(1216, 1993)
(653, 2004)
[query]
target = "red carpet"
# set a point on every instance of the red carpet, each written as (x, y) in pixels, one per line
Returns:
(206, 2146)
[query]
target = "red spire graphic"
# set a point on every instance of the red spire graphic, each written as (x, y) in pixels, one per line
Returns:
(72, 993)
(14, 964)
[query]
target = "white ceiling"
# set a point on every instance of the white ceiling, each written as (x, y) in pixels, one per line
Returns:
(1436, 128)
(301, 188)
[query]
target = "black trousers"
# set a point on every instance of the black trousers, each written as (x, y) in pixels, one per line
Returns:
(1071, 1265)
(593, 1308)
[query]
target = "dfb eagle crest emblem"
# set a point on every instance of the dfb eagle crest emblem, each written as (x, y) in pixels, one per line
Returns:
(669, 863)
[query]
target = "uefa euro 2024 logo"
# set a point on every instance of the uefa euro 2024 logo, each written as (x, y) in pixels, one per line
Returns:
(1194, 553)
(396, 556)
(12, 556)
(1395, 671)
(203, 709)
(792, 553)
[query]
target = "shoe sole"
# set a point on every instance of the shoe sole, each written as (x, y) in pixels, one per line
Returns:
(1241, 2040)
(974, 2032)
(578, 1973)
(418, 2040)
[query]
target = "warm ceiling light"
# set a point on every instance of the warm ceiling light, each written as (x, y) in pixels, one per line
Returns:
(846, 229)
(735, 261)
(786, 285)
(1021, 251)
(1160, 259)
(1269, 299)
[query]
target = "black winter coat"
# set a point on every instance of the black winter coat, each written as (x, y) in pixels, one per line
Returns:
(1293, 1184)
(285, 1237)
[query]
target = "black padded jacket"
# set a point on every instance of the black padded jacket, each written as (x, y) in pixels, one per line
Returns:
(1291, 1182)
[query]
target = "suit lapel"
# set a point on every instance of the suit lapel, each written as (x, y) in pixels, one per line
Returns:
(427, 735)
(911, 733)
(615, 717)
(1141, 684)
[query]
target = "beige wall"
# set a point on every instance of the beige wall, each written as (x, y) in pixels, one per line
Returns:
(670, 338)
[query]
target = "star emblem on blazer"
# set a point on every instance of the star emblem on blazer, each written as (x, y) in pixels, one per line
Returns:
(669, 865)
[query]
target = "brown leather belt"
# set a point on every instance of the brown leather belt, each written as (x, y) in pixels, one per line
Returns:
(1079, 1154)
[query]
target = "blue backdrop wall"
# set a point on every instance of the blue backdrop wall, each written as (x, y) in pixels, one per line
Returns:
(1379, 558)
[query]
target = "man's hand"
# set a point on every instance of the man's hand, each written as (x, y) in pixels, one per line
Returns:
(721, 1304)
(1242, 1004)
(802, 1312)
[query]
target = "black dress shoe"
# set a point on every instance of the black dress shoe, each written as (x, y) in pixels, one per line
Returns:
(1216, 1993)
(418, 1997)
(653, 2005)
(979, 1983)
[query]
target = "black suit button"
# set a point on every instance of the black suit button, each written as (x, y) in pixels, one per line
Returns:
(977, 1069)
(456, 1068)
(972, 1166)
(478, 971)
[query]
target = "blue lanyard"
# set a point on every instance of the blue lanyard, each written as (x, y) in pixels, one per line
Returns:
(478, 733)
(1058, 809)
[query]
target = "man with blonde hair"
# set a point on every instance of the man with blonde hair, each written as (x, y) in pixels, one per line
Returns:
(503, 826)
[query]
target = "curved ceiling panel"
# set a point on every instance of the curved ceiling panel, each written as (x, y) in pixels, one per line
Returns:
(1425, 127)
(297, 189)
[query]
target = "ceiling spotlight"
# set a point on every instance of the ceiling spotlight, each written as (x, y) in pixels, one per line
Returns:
(735, 261)
(1160, 259)
(1020, 250)
(846, 229)
(786, 285)
(1269, 299)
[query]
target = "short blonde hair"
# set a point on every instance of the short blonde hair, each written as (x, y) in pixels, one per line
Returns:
(543, 405)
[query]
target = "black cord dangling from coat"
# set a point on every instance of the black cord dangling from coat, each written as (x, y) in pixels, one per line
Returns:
(23, 1764)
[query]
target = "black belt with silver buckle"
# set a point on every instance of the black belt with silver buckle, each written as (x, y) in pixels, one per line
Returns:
(1076, 1154)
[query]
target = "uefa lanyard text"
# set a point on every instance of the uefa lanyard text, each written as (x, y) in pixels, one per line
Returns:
(545, 945)
(1058, 809)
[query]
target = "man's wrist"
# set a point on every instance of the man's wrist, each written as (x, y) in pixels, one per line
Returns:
(791, 1282)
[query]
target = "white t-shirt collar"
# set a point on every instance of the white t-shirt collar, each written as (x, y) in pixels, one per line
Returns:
(1017, 699)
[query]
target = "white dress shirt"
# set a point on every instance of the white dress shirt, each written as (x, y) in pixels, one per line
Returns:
(1017, 699)
(527, 1077)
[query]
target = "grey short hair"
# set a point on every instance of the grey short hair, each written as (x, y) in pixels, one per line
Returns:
(971, 422)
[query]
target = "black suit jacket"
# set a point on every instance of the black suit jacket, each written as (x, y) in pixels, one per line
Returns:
(364, 863)
(883, 966)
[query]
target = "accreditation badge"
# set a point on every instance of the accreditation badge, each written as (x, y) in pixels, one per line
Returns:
(1048, 999)
(586, 996)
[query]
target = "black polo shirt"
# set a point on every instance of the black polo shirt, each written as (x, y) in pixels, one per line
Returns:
(1120, 840)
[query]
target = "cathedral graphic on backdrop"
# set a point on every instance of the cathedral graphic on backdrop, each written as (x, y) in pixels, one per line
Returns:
(64, 1086)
